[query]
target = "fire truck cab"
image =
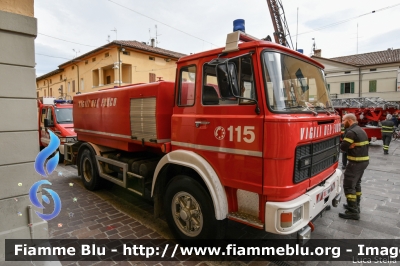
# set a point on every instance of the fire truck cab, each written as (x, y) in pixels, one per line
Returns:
(56, 116)
(246, 132)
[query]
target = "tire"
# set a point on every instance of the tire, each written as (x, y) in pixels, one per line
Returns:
(186, 201)
(89, 172)
(61, 157)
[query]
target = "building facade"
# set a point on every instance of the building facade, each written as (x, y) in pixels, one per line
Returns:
(118, 63)
(19, 139)
(373, 74)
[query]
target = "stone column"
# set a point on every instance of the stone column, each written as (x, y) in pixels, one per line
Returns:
(19, 139)
(117, 69)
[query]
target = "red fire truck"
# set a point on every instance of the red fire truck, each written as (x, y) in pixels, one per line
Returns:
(247, 133)
(55, 115)
(370, 111)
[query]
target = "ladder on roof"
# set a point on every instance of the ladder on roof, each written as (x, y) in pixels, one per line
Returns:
(363, 102)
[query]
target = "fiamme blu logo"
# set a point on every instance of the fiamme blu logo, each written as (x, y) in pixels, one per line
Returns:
(45, 166)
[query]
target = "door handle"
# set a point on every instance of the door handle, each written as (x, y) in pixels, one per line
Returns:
(198, 123)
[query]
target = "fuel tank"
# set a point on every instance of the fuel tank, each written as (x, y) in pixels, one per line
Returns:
(128, 118)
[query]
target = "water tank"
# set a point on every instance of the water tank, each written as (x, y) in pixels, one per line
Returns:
(238, 24)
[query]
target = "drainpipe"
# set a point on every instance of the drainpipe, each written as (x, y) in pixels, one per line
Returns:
(359, 81)
(77, 68)
(119, 64)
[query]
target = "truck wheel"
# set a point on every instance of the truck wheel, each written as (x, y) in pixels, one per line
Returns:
(190, 211)
(61, 157)
(90, 176)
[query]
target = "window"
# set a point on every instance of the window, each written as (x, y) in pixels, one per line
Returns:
(50, 116)
(347, 72)
(44, 93)
(73, 67)
(43, 115)
(86, 62)
(152, 77)
(60, 77)
(82, 85)
(372, 69)
(50, 81)
(292, 85)
(69, 86)
(152, 58)
(44, 82)
(347, 87)
(107, 54)
(94, 59)
(108, 80)
(51, 92)
(73, 86)
(61, 87)
(213, 85)
(329, 88)
(187, 83)
(372, 86)
(126, 53)
(37, 94)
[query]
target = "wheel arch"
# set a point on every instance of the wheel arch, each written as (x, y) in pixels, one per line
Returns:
(203, 169)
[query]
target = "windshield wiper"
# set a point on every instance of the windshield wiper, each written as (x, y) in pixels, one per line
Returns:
(323, 108)
(293, 107)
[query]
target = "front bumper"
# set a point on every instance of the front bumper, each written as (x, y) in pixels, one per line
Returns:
(313, 203)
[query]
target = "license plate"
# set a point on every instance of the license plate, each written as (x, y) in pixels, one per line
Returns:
(324, 194)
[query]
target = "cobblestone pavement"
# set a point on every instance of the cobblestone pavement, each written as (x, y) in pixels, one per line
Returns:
(114, 213)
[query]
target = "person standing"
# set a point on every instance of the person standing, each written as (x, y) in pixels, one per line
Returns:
(355, 143)
(387, 131)
(395, 120)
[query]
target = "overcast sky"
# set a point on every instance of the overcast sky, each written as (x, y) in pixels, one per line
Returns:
(193, 26)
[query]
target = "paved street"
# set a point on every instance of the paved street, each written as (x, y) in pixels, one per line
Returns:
(103, 214)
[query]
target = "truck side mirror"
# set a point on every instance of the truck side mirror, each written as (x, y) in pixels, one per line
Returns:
(227, 80)
(47, 123)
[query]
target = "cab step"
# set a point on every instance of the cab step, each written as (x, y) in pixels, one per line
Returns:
(246, 219)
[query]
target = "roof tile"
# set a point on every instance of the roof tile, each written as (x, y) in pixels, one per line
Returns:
(374, 58)
(149, 48)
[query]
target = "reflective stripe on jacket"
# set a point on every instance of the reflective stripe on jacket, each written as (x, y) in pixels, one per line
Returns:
(355, 135)
(387, 126)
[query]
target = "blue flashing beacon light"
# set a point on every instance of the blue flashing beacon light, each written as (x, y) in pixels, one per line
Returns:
(238, 24)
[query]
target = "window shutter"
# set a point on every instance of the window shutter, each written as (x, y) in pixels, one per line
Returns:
(341, 88)
(351, 87)
(372, 86)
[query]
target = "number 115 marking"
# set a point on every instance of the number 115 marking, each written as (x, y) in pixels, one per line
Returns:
(248, 133)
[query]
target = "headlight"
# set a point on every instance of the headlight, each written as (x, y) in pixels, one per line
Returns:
(291, 217)
(70, 139)
(297, 214)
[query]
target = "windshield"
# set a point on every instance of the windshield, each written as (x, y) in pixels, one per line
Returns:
(64, 115)
(293, 85)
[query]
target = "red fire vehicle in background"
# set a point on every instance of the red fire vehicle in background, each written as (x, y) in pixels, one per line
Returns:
(55, 115)
(369, 112)
(247, 133)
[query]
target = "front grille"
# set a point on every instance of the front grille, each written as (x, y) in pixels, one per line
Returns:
(314, 158)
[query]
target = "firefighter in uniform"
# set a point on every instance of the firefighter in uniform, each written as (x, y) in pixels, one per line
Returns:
(355, 143)
(387, 131)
